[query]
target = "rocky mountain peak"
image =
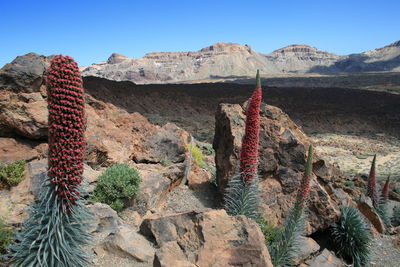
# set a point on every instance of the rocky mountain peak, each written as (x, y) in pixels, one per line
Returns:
(300, 49)
(394, 44)
(226, 47)
(116, 58)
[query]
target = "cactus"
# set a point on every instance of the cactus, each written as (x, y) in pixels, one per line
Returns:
(284, 249)
(242, 195)
(371, 189)
(56, 229)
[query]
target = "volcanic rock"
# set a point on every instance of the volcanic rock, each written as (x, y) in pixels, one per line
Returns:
(282, 157)
(207, 238)
(24, 73)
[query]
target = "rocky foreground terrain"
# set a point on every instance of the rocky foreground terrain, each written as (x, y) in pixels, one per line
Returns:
(176, 218)
(226, 60)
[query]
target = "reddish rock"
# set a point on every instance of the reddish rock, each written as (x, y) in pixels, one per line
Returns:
(113, 134)
(199, 178)
(366, 208)
(208, 238)
(126, 243)
(19, 149)
(157, 182)
(325, 259)
(306, 249)
(24, 114)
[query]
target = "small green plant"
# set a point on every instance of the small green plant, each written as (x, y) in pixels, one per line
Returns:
(5, 236)
(207, 149)
(348, 183)
(12, 174)
(166, 163)
(351, 237)
(118, 184)
(361, 156)
(270, 231)
(197, 155)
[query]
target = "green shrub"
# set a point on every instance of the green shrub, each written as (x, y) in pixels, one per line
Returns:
(351, 237)
(271, 231)
(118, 184)
(12, 174)
(197, 155)
(5, 236)
(348, 183)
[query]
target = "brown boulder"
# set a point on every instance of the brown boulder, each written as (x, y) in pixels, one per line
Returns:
(24, 114)
(208, 238)
(126, 243)
(325, 259)
(282, 157)
(157, 182)
(21, 149)
(24, 73)
(366, 208)
(113, 134)
(307, 248)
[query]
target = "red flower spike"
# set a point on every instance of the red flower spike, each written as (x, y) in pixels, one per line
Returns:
(371, 189)
(385, 190)
(249, 152)
(305, 185)
(66, 127)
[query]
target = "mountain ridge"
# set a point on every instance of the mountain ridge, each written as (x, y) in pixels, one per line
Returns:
(231, 59)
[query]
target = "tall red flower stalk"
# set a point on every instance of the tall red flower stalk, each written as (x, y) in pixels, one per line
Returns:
(66, 127)
(385, 190)
(371, 188)
(302, 194)
(249, 151)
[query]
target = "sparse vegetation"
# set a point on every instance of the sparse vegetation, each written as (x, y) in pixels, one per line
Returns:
(11, 174)
(348, 183)
(118, 184)
(351, 237)
(270, 230)
(5, 236)
(207, 149)
(197, 155)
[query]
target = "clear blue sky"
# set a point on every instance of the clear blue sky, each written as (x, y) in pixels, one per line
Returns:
(90, 30)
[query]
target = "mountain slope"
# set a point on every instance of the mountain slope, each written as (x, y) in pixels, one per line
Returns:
(218, 60)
